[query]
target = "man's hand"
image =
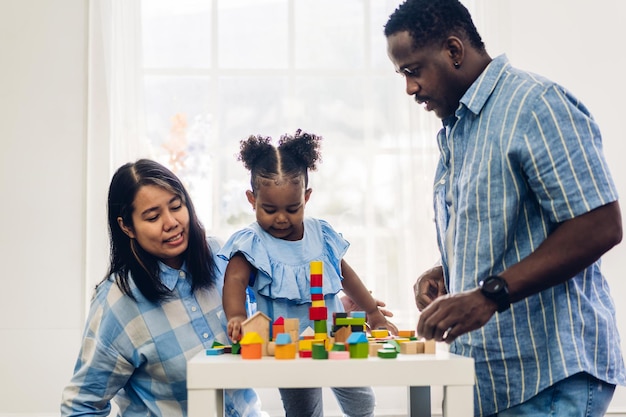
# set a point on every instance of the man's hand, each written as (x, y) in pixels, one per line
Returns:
(428, 287)
(450, 316)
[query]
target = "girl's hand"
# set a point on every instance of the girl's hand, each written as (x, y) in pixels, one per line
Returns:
(378, 320)
(234, 329)
(349, 305)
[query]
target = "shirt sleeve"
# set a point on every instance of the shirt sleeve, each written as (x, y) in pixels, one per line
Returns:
(563, 158)
(100, 370)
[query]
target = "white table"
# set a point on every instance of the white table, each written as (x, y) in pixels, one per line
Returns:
(208, 376)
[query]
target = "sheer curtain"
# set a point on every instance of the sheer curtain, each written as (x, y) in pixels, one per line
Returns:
(183, 82)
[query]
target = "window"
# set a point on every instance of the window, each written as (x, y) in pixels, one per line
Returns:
(194, 77)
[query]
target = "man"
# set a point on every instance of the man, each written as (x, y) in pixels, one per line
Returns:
(524, 208)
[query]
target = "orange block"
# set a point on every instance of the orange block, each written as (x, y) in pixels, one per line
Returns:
(251, 351)
(287, 351)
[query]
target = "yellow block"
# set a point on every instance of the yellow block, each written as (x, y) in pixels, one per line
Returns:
(380, 333)
(317, 267)
(318, 303)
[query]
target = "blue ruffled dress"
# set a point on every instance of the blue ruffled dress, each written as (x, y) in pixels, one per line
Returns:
(282, 285)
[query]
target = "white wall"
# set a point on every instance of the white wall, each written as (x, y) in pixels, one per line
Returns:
(44, 163)
(43, 76)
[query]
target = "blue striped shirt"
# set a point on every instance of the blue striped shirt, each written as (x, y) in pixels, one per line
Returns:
(136, 352)
(520, 156)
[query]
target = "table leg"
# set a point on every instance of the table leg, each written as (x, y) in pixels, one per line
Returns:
(419, 402)
(205, 403)
(458, 401)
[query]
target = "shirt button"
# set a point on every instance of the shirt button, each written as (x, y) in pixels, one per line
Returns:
(205, 335)
(181, 274)
(194, 308)
(442, 182)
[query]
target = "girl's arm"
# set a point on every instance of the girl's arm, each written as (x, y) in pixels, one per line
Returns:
(354, 288)
(236, 279)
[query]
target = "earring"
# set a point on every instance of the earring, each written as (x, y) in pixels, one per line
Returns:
(457, 65)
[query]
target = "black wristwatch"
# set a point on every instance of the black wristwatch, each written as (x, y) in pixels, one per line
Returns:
(494, 288)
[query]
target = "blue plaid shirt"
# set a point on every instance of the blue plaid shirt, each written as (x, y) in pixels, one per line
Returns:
(136, 352)
(520, 156)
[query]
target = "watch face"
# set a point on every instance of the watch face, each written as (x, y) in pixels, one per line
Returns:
(493, 284)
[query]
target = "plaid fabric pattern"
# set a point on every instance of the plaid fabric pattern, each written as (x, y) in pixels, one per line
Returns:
(136, 352)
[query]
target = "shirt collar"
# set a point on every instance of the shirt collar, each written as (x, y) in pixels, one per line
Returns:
(170, 276)
(477, 95)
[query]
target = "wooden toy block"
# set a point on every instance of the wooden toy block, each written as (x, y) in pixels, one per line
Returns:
(285, 351)
(321, 336)
(338, 346)
(319, 351)
(316, 268)
(387, 353)
(258, 323)
(430, 346)
(225, 349)
(305, 353)
(292, 325)
(283, 339)
(236, 348)
(338, 354)
(284, 347)
(308, 333)
(215, 351)
(278, 326)
(318, 313)
(358, 345)
(317, 297)
(357, 328)
(319, 303)
(409, 348)
(316, 290)
(271, 348)
(406, 333)
(358, 315)
(251, 346)
(380, 333)
(349, 321)
(316, 280)
(320, 326)
(373, 348)
(342, 334)
(306, 344)
(393, 344)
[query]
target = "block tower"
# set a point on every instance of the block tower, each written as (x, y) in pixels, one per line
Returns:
(318, 313)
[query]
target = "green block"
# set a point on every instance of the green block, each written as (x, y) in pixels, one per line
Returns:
(359, 351)
(387, 353)
(319, 326)
(318, 351)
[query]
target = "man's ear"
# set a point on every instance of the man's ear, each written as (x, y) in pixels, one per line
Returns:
(456, 50)
(307, 195)
(129, 231)
(251, 199)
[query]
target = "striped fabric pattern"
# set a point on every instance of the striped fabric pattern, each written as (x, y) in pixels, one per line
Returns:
(522, 155)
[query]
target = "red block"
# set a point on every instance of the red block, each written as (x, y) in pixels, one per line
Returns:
(318, 313)
(317, 297)
(316, 280)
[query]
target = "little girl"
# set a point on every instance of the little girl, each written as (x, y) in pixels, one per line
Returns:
(272, 256)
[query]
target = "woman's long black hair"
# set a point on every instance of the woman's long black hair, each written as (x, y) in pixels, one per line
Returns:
(127, 258)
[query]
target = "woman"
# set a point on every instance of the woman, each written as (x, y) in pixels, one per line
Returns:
(159, 305)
